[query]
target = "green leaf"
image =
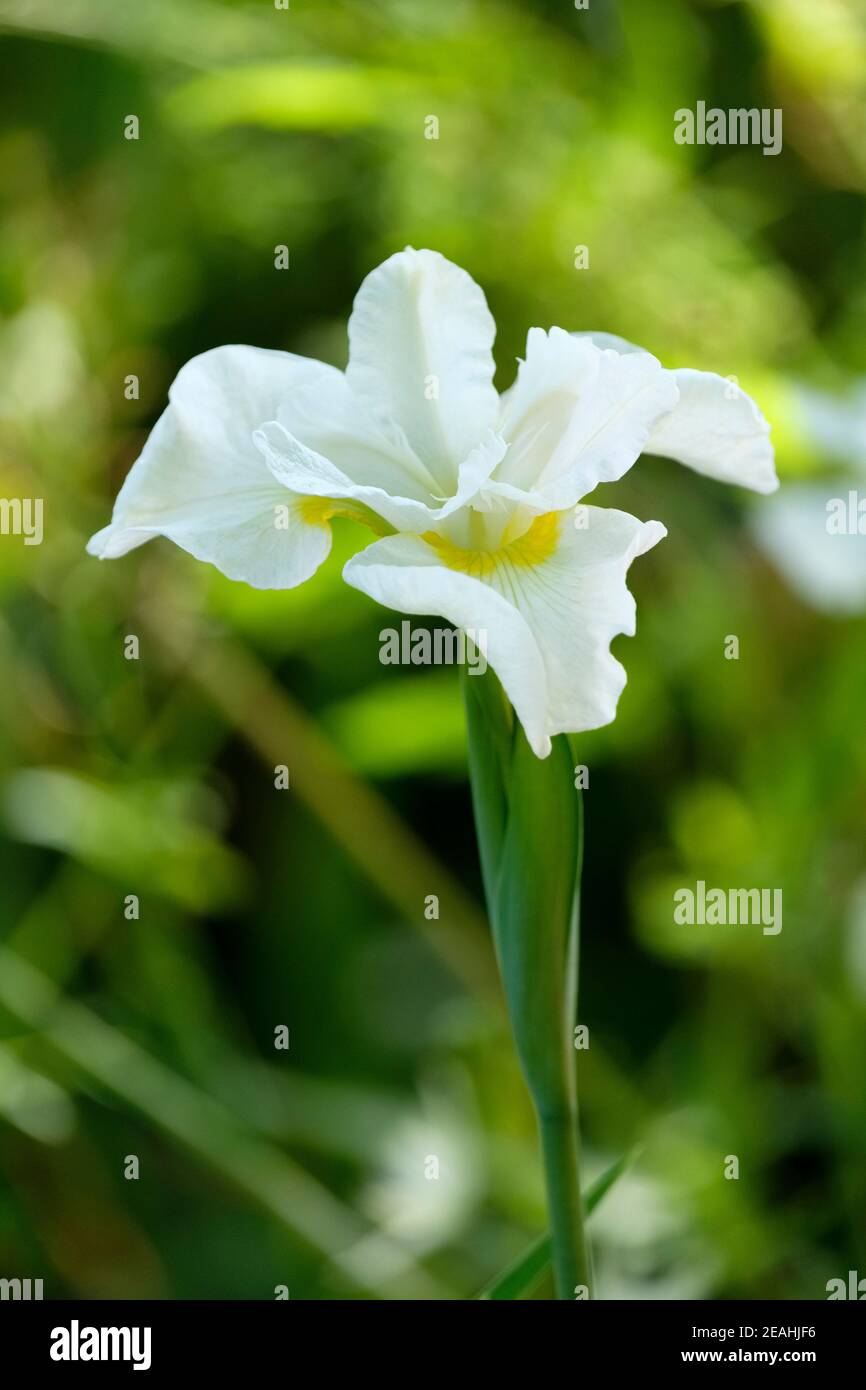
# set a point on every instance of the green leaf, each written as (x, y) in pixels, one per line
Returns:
(520, 1276)
(526, 1271)
(143, 831)
(294, 96)
(534, 921)
(395, 727)
(490, 725)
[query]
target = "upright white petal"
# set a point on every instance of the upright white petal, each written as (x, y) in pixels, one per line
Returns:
(548, 607)
(201, 481)
(329, 418)
(420, 354)
(578, 415)
(715, 427)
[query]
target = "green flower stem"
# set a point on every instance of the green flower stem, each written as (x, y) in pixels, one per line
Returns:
(560, 1150)
(559, 1129)
(529, 823)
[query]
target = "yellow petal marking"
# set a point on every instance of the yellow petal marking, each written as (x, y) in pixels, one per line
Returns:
(318, 511)
(532, 548)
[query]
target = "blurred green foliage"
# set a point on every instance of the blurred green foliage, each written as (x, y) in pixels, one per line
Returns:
(155, 1036)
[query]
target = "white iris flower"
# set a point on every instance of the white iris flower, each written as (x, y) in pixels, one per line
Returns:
(473, 494)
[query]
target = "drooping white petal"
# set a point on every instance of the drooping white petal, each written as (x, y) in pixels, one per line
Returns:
(407, 574)
(420, 354)
(306, 471)
(547, 607)
(578, 415)
(825, 567)
(715, 428)
(201, 481)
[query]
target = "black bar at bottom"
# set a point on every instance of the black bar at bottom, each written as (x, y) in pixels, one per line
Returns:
(69, 1338)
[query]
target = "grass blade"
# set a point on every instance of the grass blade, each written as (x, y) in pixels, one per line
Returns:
(520, 1276)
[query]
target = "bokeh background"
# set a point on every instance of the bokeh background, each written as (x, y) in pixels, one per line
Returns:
(154, 1037)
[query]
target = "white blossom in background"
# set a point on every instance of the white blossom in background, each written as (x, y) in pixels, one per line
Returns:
(472, 494)
(825, 569)
(430, 1178)
(647, 1246)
